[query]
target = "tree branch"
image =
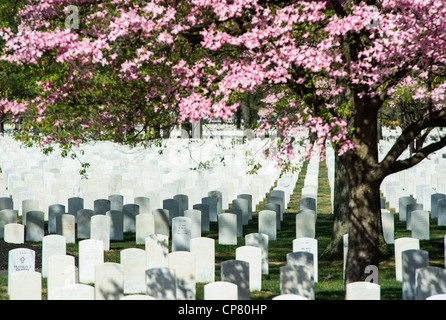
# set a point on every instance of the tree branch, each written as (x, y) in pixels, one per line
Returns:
(417, 157)
(390, 163)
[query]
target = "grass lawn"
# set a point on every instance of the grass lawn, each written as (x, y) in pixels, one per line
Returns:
(332, 289)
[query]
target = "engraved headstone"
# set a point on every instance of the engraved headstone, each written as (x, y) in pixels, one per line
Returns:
(420, 224)
(181, 234)
(20, 259)
(308, 245)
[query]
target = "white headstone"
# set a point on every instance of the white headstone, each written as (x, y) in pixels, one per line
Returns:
(65, 226)
(363, 290)
(388, 226)
(260, 240)
(195, 218)
(35, 226)
(181, 233)
(306, 224)
(308, 245)
(227, 229)
(25, 285)
(133, 261)
(78, 291)
(268, 223)
(20, 259)
(183, 262)
(161, 283)
(145, 226)
(52, 245)
(420, 224)
(61, 272)
(204, 251)
(14, 233)
(220, 290)
(253, 256)
(91, 253)
(100, 229)
(157, 249)
(109, 281)
(400, 245)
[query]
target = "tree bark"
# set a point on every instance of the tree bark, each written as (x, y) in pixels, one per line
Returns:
(364, 179)
(364, 213)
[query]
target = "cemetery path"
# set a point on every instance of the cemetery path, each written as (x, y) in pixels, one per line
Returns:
(5, 247)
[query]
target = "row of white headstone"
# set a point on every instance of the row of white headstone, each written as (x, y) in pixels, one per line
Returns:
(157, 256)
(114, 169)
(416, 197)
(91, 251)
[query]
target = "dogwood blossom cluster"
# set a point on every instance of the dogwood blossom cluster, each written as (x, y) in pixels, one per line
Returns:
(194, 58)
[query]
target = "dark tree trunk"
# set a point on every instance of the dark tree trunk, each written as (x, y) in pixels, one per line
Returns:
(364, 231)
(364, 179)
